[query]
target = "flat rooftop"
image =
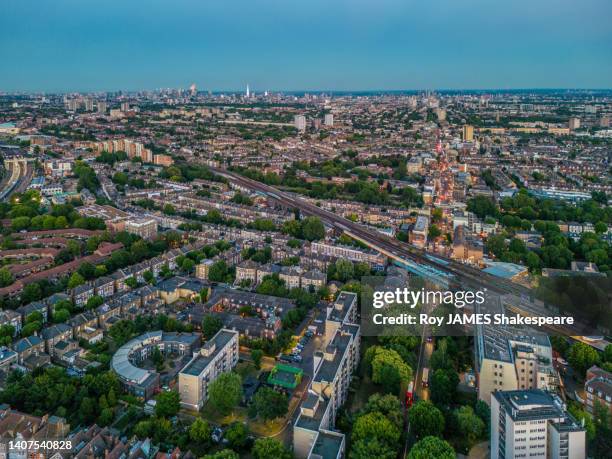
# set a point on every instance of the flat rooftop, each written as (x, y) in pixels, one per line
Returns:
(200, 362)
(329, 368)
(328, 445)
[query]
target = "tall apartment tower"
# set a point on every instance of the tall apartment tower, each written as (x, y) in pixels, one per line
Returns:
(88, 104)
(102, 106)
(574, 123)
(468, 133)
(534, 423)
(299, 121)
(329, 119)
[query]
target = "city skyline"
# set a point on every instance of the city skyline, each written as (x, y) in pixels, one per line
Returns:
(347, 46)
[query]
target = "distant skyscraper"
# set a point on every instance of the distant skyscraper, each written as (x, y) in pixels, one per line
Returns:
(468, 133)
(193, 90)
(299, 121)
(329, 119)
(125, 106)
(248, 92)
(101, 107)
(72, 104)
(89, 105)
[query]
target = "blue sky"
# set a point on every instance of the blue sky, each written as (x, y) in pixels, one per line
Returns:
(82, 45)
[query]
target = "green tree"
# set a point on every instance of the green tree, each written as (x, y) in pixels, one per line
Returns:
(148, 277)
(425, 419)
(533, 262)
(601, 227)
(388, 368)
(106, 417)
(312, 228)
(582, 416)
(187, 265)
(237, 435)
(131, 282)
(483, 411)
(225, 392)
(218, 271)
(223, 454)
(470, 426)
(434, 232)
(269, 404)
(31, 292)
(168, 404)
(61, 316)
(94, 302)
(257, 355)
(87, 270)
(200, 432)
(344, 269)
(581, 357)
(211, 325)
(375, 426)
(431, 447)
(122, 331)
(6, 278)
(482, 206)
(75, 280)
(20, 223)
(368, 449)
(443, 386)
(269, 448)
(387, 404)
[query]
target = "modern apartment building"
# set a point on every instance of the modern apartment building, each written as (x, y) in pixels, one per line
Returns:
(512, 358)
(218, 355)
(533, 423)
(468, 133)
(299, 121)
(418, 235)
(313, 434)
(142, 382)
(146, 228)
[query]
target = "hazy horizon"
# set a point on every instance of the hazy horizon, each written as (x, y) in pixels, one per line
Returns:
(338, 46)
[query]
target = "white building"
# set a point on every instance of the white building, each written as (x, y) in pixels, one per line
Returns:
(511, 358)
(534, 423)
(218, 355)
(299, 121)
(313, 431)
(329, 119)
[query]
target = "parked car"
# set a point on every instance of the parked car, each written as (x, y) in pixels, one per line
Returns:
(217, 434)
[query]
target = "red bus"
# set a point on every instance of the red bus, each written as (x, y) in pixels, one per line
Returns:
(409, 395)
